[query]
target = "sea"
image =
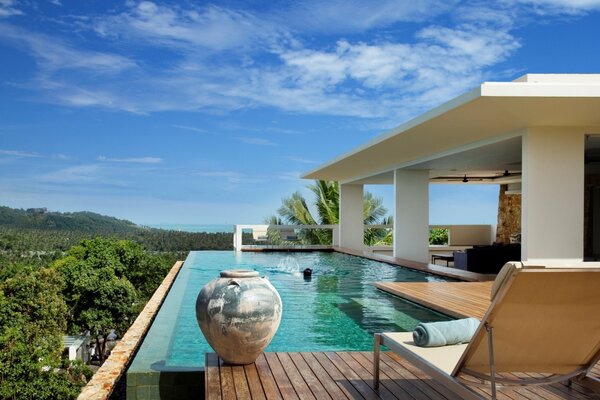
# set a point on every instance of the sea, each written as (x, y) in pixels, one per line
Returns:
(208, 228)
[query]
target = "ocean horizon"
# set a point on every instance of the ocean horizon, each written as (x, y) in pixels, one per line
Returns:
(206, 228)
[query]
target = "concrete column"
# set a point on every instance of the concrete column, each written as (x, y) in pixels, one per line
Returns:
(352, 231)
(237, 238)
(553, 193)
(411, 215)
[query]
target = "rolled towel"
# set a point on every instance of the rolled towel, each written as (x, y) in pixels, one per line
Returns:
(433, 334)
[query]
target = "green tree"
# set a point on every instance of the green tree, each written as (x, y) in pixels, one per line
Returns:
(98, 294)
(294, 210)
(32, 321)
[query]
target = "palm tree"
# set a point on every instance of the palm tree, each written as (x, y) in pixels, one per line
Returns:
(294, 210)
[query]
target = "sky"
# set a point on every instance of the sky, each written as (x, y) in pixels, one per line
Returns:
(195, 112)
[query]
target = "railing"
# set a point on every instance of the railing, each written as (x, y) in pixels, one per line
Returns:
(280, 236)
(284, 236)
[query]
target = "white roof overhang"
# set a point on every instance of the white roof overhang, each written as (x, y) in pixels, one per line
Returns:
(491, 115)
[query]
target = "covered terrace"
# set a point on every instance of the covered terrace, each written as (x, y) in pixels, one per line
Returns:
(539, 135)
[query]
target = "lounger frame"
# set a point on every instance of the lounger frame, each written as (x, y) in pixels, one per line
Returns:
(456, 383)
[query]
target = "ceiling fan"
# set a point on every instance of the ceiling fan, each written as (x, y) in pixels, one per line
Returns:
(477, 178)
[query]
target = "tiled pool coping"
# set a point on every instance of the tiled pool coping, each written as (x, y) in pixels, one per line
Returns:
(103, 382)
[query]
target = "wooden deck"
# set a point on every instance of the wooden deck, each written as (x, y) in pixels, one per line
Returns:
(346, 375)
(434, 269)
(457, 299)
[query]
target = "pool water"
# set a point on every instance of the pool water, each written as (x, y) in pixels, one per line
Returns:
(339, 308)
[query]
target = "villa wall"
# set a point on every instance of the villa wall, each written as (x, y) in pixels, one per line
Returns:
(509, 215)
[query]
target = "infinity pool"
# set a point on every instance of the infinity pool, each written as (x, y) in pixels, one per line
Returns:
(338, 309)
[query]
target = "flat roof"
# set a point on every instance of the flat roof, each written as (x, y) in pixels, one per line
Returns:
(491, 112)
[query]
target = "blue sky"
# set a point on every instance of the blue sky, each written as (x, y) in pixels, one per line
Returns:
(196, 112)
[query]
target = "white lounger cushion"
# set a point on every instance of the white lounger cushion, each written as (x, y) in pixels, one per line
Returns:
(444, 358)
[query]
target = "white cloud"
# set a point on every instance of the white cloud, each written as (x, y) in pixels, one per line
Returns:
(289, 176)
(191, 128)
(7, 8)
(557, 6)
(133, 160)
(256, 141)
(343, 16)
(60, 156)
(301, 160)
(53, 54)
(232, 178)
(210, 27)
(77, 174)
(18, 153)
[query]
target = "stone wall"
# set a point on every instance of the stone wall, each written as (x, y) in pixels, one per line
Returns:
(509, 215)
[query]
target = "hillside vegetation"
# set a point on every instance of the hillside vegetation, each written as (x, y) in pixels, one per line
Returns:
(40, 230)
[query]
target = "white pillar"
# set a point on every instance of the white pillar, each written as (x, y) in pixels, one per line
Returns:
(411, 215)
(352, 231)
(237, 238)
(552, 193)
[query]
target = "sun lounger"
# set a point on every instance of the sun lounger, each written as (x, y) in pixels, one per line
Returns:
(542, 321)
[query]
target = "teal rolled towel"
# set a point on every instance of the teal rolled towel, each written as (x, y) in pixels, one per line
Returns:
(434, 334)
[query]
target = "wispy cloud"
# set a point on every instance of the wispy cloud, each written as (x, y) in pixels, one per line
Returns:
(53, 54)
(78, 174)
(133, 160)
(256, 141)
(60, 156)
(289, 176)
(231, 177)
(18, 153)
(210, 27)
(191, 128)
(343, 16)
(301, 160)
(546, 7)
(224, 58)
(7, 8)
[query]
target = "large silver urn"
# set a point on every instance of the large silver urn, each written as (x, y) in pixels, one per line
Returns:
(238, 313)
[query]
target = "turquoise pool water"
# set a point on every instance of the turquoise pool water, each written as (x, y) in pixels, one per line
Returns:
(338, 309)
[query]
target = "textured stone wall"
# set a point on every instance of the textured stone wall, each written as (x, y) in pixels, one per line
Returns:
(509, 215)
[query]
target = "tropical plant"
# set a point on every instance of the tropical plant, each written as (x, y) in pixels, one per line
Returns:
(294, 210)
(438, 236)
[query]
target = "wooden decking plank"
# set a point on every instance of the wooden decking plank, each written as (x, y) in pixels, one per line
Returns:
(313, 382)
(337, 372)
(295, 377)
(458, 299)
(283, 383)
(412, 384)
(549, 392)
(350, 373)
(266, 378)
(332, 388)
(227, 383)
(574, 392)
(387, 374)
(254, 384)
(438, 386)
(426, 384)
(212, 382)
(240, 383)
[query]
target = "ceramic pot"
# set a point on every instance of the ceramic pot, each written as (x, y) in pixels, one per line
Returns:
(238, 314)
